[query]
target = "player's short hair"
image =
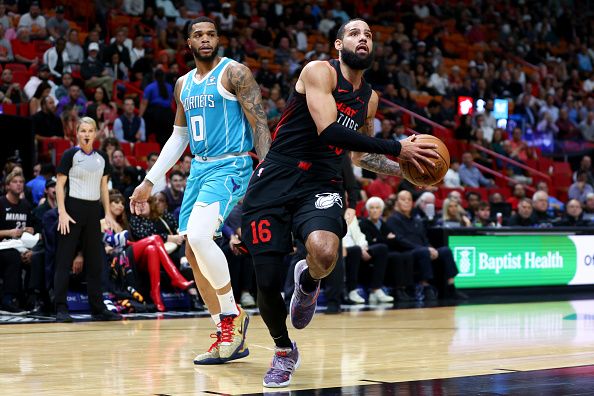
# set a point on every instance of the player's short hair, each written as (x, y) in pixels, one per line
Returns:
(340, 33)
(200, 20)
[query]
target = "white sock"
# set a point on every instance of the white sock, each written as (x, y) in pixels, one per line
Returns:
(227, 303)
(217, 320)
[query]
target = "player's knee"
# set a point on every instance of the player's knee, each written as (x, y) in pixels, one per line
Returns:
(324, 259)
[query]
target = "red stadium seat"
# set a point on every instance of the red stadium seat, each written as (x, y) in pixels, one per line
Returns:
(9, 109)
(16, 67)
(132, 160)
(142, 149)
(126, 148)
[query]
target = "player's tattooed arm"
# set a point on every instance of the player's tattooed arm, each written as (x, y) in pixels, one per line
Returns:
(377, 163)
(250, 98)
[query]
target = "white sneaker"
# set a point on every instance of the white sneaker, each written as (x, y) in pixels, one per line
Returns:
(355, 297)
(246, 300)
(379, 297)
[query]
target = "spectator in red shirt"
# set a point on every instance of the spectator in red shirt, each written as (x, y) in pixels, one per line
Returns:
(518, 194)
(23, 49)
(380, 187)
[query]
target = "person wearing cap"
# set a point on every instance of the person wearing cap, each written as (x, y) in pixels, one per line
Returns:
(43, 74)
(57, 26)
(74, 49)
(45, 122)
(226, 19)
(34, 21)
(93, 71)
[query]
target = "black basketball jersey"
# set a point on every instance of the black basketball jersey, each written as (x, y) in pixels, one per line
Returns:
(296, 133)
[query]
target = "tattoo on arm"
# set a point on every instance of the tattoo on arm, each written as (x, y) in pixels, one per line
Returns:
(377, 163)
(250, 98)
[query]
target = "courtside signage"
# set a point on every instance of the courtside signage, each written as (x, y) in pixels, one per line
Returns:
(523, 260)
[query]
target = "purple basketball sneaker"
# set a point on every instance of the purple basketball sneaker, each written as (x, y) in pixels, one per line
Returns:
(284, 363)
(303, 305)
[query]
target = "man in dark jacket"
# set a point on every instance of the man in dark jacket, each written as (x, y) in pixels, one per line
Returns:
(525, 216)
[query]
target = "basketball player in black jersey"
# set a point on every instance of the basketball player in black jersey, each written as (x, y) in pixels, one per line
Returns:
(297, 190)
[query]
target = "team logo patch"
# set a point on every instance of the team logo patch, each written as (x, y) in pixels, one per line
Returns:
(235, 185)
(327, 200)
(260, 171)
(211, 80)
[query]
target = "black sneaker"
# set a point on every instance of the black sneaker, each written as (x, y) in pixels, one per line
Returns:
(63, 317)
(430, 293)
(107, 316)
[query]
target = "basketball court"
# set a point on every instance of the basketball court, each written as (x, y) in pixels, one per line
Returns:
(520, 348)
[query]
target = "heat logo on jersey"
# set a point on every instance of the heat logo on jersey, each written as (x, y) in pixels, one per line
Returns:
(345, 114)
(327, 200)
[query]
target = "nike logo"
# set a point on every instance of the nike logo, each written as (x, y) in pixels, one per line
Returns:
(343, 90)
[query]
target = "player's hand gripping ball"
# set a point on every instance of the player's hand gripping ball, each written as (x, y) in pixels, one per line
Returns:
(432, 175)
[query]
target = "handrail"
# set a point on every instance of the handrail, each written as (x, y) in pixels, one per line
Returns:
(511, 161)
(483, 168)
(413, 114)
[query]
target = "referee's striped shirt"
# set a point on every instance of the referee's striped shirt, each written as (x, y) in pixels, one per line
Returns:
(84, 172)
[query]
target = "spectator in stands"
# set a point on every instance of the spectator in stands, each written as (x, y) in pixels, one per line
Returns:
(159, 185)
(439, 80)
(589, 207)
(129, 127)
(453, 215)
(357, 250)
(580, 189)
(118, 47)
(6, 54)
(109, 145)
(540, 205)
(568, 130)
(168, 7)
(587, 127)
(118, 163)
(117, 69)
(47, 203)
(93, 71)
(155, 108)
(470, 176)
(150, 230)
(556, 207)
(526, 109)
(464, 130)
(73, 49)
(138, 51)
(102, 111)
(34, 22)
(265, 77)
(380, 187)
(57, 26)
(23, 48)
(234, 50)
(15, 219)
(452, 177)
(70, 120)
(524, 217)
(482, 216)
(57, 58)
(175, 192)
(62, 90)
(574, 216)
(585, 167)
(133, 7)
(518, 193)
(550, 108)
(10, 92)
(472, 200)
(5, 21)
(186, 164)
(412, 234)
(400, 264)
(425, 208)
(43, 90)
(72, 100)
(37, 184)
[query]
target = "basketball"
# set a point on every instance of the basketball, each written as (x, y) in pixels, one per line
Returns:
(432, 175)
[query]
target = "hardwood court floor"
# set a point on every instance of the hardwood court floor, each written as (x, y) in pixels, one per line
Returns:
(154, 357)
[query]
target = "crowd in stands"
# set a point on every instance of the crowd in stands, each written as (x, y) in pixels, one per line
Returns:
(117, 62)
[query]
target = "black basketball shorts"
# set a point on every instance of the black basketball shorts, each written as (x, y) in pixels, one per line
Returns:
(289, 198)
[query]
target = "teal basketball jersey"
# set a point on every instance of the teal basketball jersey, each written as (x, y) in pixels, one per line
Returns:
(216, 122)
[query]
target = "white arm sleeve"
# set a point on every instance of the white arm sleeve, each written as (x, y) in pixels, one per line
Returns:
(173, 149)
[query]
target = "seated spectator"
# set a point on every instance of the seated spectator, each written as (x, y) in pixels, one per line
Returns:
(159, 185)
(568, 130)
(129, 127)
(482, 216)
(57, 59)
(93, 71)
(10, 92)
(109, 145)
(70, 120)
(518, 193)
(175, 191)
(73, 100)
(453, 215)
(399, 264)
(470, 176)
(587, 127)
(23, 48)
(556, 207)
(425, 208)
(138, 51)
(380, 187)
(58, 26)
(103, 112)
(134, 7)
(149, 231)
(540, 204)
(412, 234)
(6, 54)
(75, 52)
(357, 250)
(34, 22)
(43, 91)
(37, 184)
(118, 163)
(46, 203)
(472, 200)
(574, 216)
(452, 177)
(524, 217)
(43, 75)
(118, 47)
(585, 167)
(15, 219)
(580, 188)
(464, 130)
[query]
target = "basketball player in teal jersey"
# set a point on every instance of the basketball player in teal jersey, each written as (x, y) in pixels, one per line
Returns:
(220, 114)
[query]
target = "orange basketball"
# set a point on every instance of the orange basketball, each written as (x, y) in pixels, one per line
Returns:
(432, 175)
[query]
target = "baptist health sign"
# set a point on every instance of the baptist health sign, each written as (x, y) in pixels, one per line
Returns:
(523, 260)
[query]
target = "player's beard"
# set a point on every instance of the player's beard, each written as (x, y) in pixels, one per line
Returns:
(203, 58)
(354, 61)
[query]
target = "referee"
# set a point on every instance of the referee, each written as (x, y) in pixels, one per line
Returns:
(81, 189)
